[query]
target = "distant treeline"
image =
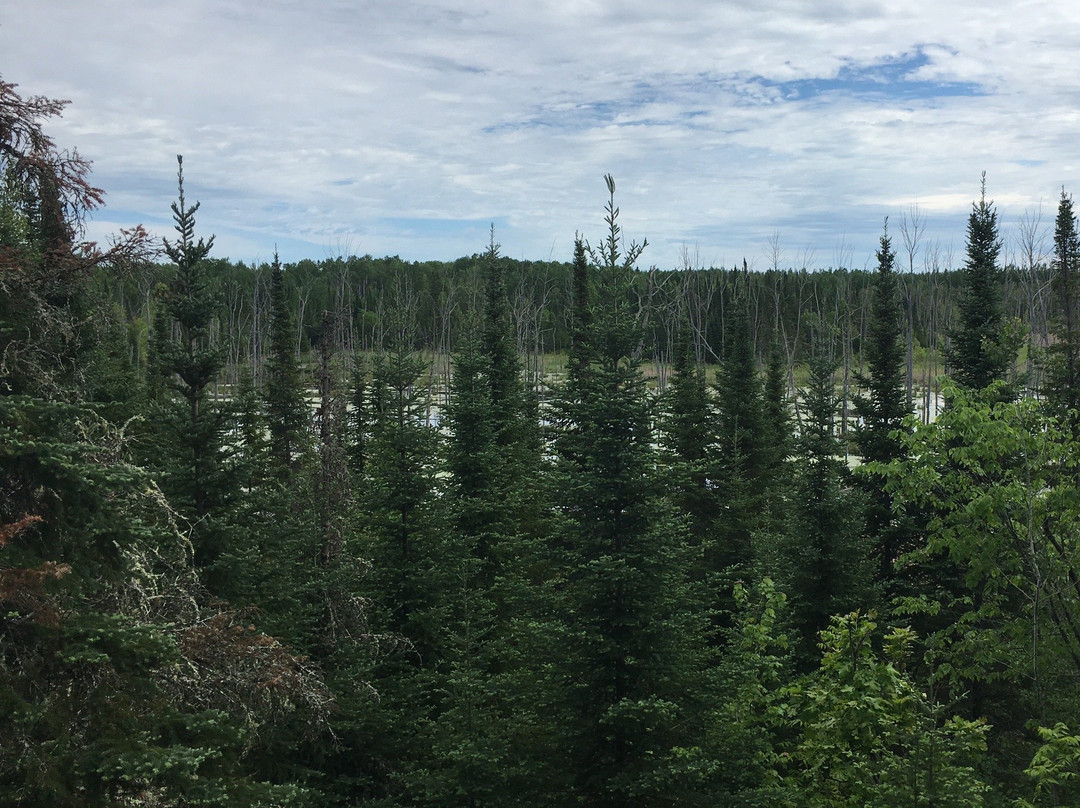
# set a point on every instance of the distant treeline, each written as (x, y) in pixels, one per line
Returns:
(785, 305)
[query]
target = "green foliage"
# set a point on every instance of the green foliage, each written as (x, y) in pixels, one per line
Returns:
(997, 478)
(883, 405)
(689, 438)
(754, 718)
(870, 737)
(187, 434)
(581, 617)
(1054, 768)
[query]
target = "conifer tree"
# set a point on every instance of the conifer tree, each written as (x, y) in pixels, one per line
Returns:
(415, 566)
(742, 455)
(120, 680)
(981, 351)
(774, 522)
(882, 406)
(192, 358)
(581, 309)
(633, 637)
(286, 412)
(503, 368)
(689, 439)
(485, 748)
(828, 570)
(193, 455)
(400, 492)
(1062, 385)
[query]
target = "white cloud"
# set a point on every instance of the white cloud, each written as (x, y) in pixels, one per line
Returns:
(309, 124)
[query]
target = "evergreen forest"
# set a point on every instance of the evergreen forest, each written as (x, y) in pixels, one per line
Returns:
(491, 532)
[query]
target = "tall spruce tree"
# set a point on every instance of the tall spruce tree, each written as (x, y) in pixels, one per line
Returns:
(881, 405)
(980, 351)
(193, 454)
(828, 570)
(286, 411)
(484, 748)
(503, 367)
(416, 566)
(1062, 382)
(742, 458)
(581, 309)
(633, 636)
(689, 438)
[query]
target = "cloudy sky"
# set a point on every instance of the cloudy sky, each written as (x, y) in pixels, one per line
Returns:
(734, 128)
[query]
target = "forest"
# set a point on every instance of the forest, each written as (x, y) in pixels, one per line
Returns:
(369, 532)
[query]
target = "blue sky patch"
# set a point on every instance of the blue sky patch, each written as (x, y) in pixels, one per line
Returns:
(889, 78)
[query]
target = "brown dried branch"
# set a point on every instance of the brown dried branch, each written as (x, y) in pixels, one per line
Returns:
(59, 177)
(231, 666)
(13, 529)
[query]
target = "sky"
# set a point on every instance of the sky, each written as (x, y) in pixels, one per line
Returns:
(775, 131)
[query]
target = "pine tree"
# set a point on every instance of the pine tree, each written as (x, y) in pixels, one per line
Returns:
(981, 351)
(881, 408)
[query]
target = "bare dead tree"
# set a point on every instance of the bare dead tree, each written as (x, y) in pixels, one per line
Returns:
(699, 287)
(1031, 239)
(446, 310)
(912, 230)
